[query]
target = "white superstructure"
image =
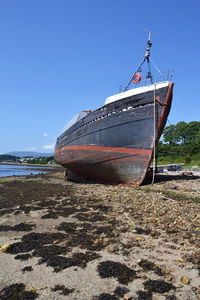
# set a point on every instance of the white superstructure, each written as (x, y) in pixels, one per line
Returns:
(136, 91)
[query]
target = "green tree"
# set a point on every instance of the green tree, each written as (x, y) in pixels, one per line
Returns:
(181, 143)
(169, 134)
(181, 132)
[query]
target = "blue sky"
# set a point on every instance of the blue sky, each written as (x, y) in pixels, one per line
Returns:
(58, 57)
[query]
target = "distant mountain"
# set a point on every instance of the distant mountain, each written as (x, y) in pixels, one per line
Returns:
(29, 154)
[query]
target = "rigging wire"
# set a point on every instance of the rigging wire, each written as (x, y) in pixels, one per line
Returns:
(169, 122)
(145, 58)
(156, 68)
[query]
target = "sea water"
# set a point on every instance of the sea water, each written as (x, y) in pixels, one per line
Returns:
(17, 170)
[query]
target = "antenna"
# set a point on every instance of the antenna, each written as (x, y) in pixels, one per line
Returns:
(150, 34)
(149, 44)
(147, 59)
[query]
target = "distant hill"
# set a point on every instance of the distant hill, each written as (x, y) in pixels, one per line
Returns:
(29, 154)
(9, 158)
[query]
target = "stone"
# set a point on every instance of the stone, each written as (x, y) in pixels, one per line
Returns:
(185, 280)
(112, 248)
(5, 247)
(127, 297)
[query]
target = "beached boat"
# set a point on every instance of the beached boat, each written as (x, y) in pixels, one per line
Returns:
(116, 142)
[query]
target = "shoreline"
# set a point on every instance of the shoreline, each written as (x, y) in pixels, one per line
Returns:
(26, 164)
(32, 169)
(70, 241)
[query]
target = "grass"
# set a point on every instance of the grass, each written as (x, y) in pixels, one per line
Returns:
(18, 178)
(58, 175)
(189, 161)
(178, 196)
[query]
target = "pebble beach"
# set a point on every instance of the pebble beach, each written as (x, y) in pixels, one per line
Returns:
(65, 240)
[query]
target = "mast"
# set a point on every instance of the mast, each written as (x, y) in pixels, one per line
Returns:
(145, 59)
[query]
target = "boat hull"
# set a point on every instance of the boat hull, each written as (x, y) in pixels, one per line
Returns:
(114, 144)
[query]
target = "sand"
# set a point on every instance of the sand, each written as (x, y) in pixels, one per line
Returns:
(66, 240)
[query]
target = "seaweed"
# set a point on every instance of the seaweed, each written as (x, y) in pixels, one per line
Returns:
(117, 270)
(5, 211)
(27, 269)
(121, 291)
(50, 250)
(147, 265)
(142, 231)
(60, 263)
(94, 217)
(22, 193)
(101, 207)
(33, 241)
(108, 230)
(86, 241)
(158, 286)
(50, 215)
(21, 247)
(144, 295)
(44, 245)
(18, 227)
(171, 297)
(43, 238)
(59, 211)
(74, 227)
(105, 296)
(17, 292)
(63, 289)
(23, 256)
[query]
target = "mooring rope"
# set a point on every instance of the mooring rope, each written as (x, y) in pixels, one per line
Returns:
(154, 136)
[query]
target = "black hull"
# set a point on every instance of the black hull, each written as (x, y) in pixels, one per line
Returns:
(115, 143)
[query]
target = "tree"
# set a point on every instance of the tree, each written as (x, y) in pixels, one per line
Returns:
(181, 132)
(169, 134)
(181, 142)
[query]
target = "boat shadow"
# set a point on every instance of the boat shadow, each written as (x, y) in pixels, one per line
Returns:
(171, 177)
(159, 178)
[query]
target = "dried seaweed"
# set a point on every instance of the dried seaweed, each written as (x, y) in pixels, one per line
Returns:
(18, 227)
(144, 295)
(158, 286)
(17, 292)
(60, 263)
(33, 241)
(148, 266)
(27, 269)
(120, 291)
(95, 217)
(23, 256)
(63, 289)
(117, 270)
(105, 296)
(142, 231)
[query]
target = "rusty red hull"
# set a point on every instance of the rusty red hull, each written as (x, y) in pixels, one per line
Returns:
(114, 144)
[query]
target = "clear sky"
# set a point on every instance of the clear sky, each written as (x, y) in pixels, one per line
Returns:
(58, 57)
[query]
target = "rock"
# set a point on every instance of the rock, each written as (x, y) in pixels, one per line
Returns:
(5, 247)
(138, 238)
(106, 241)
(112, 248)
(56, 242)
(127, 297)
(185, 280)
(187, 173)
(97, 241)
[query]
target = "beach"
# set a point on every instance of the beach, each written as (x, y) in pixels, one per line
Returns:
(66, 240)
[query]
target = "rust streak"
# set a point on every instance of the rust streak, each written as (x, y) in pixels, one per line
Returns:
(109, 149)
